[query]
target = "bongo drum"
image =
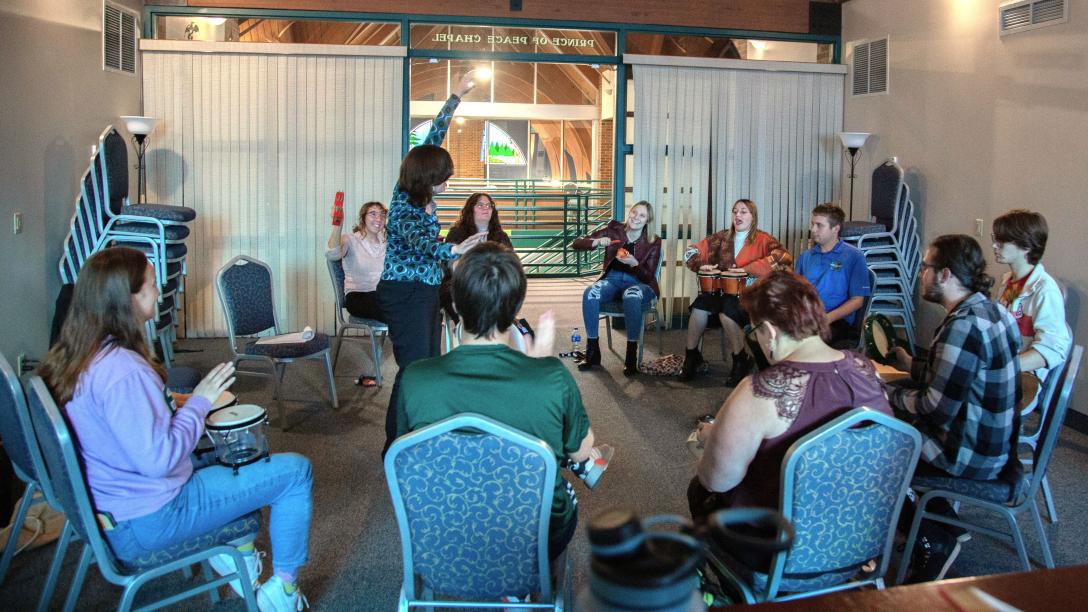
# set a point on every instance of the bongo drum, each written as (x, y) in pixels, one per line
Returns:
(880, 339)
(240, 434)
(708, 282)
(732, 283)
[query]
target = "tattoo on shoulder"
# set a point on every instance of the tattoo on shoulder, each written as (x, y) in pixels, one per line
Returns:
(783, 384)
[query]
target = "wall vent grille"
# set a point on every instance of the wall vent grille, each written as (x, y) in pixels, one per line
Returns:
(869, 67)
(118, 39)
(1024, 15)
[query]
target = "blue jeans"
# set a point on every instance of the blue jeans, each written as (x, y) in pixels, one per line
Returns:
(637, 299)
(214, 496)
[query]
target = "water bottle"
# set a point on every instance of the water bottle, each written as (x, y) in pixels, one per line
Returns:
(575, 340)
(635, 567)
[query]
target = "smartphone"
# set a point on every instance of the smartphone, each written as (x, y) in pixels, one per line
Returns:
(524, 327)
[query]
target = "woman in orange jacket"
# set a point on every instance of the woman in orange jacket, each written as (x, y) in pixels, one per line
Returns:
(741, 249)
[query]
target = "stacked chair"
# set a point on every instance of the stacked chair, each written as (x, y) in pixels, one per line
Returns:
(104, 217)
(892, 247)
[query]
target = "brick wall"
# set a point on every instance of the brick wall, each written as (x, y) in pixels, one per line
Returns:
(604, 150)
(463, 143)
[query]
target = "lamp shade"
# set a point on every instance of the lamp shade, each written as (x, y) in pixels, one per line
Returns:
(139, 126)
(853, 140)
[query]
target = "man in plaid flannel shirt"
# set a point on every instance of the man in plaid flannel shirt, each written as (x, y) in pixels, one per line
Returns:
(963, 395)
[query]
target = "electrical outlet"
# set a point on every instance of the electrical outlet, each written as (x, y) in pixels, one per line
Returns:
(17, 222)
(978, 228)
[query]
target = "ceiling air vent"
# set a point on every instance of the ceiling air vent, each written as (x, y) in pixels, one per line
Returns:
(869, 65)
(1024, 15)
(118, 39)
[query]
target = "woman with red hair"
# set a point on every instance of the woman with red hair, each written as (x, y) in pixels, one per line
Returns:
(807, 385)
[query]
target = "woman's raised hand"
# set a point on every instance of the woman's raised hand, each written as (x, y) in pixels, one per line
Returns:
(216, 382)
(544, 342)
(466, 84)
(708, 268)
(338, 209)
(469, 243)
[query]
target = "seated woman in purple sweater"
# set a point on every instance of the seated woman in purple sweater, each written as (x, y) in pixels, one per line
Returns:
(136, 445)
(807, 385)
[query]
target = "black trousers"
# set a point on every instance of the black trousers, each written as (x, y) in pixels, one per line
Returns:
(364, 304)
(411, 312)
(844, 335)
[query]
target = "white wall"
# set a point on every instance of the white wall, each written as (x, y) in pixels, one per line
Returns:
(56, 100)
(982, 124)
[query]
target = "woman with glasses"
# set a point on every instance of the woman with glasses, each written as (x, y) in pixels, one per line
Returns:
(478, 215)
(808, 384)
(363, 255)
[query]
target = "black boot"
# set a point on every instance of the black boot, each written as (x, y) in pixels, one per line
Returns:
(742, 366)
(593, 355)
(630, 363)
(692, 360)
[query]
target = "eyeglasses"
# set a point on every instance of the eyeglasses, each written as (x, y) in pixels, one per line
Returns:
(923, 266)
(484, 205)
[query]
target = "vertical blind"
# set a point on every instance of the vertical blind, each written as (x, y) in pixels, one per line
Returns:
(708, 135)
(258, 143)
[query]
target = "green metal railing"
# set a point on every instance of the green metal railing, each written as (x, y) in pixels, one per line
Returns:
(542, 218)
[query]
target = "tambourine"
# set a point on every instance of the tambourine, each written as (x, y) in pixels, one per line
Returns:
(880, 339)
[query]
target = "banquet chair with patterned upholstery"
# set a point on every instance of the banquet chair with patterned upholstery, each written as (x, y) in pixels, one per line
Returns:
(843, 487)
(473, 502)
(26, 458)
(1000, 496)
(70, 488)
(377, 330)
(244, 286)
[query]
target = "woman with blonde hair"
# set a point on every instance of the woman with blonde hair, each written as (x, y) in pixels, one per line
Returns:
(743, 249)
(632, 251)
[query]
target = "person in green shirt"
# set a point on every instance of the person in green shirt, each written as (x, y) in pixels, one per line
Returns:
(532, 392)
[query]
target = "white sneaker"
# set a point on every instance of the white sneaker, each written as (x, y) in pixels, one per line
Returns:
(272, 598)
(224, 564)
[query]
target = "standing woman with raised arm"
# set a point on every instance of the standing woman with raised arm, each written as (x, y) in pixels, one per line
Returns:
(408, 290)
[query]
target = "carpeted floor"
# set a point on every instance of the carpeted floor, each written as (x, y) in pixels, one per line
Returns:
(354, 550)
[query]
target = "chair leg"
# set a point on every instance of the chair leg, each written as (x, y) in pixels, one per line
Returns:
(15, 528)
(1048, 497)
(657, 328)
(206, 574)
(1048, 558)
(607, 330)
(277, 375)
(641, 340)
(1018, 539)
(77, 579)
(908, 548)
(376, 353)
(332, 383)
(336, 351)
(66, 534)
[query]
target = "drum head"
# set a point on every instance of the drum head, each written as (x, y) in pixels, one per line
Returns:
(880, 338)
(728, 274)
(234, 417)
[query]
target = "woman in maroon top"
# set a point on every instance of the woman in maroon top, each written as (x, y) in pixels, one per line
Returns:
(807, 385)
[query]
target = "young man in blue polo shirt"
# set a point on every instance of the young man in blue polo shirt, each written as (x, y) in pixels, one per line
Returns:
(838, 272)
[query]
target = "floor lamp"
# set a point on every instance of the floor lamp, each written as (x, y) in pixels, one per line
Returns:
(140, 127)
(853, 142)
